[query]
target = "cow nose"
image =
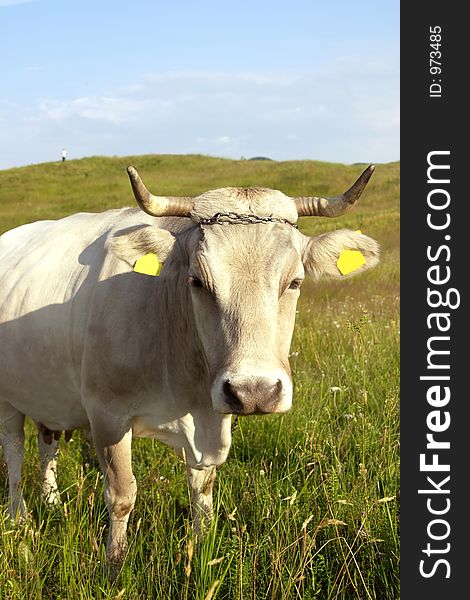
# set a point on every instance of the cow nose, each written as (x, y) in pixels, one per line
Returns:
(252, 396)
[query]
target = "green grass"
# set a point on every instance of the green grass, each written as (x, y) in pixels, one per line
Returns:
(307, 502)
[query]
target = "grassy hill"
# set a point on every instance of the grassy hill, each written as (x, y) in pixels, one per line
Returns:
(53, 190)
(307, 502)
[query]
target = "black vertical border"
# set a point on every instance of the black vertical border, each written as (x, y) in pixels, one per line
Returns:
(434, 124)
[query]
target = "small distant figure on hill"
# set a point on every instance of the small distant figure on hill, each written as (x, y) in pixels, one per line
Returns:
(64, 154)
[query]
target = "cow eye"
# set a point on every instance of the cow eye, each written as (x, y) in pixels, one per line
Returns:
(195, 281)
(296, 284)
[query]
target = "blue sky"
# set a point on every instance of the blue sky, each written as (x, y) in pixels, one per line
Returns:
(286, 79)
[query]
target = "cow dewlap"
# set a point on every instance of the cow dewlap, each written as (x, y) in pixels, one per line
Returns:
(350, 260)
(148, 265)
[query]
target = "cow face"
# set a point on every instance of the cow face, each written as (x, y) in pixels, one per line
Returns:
(244, 282)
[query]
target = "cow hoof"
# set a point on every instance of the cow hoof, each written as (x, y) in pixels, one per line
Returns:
(115, 558)
(113, 571)
(19, 520)
(114, 568)
(17, 513)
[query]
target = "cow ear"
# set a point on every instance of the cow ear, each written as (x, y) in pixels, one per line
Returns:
(339, 254)
(130, 244)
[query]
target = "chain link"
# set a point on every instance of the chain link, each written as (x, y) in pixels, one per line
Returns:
(232, 217)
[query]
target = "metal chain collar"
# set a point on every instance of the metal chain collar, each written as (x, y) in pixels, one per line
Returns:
(232, 217)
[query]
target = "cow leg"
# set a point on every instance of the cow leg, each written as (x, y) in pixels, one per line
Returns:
(201, 482)
(113, 446)
(12, 440)
(48, 453)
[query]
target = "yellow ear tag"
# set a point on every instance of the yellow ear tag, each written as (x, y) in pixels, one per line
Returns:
(350, 260)
(148, 265)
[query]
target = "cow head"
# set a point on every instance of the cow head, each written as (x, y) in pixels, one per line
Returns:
(246, 261)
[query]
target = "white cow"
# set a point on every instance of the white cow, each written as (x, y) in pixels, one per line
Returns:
(86, 342)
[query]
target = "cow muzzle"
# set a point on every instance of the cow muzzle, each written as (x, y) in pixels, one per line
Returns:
(239, 394)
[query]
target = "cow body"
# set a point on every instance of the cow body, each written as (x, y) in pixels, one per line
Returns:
(85, 342)
(70, 328)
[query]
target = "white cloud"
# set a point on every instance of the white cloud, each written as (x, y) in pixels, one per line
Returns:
(115, 110)
(348, 111)
(222, 140)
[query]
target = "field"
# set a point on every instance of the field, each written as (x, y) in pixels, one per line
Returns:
(307, 502)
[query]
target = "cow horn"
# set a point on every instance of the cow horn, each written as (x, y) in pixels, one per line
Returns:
(158, 206)
(333, 206)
